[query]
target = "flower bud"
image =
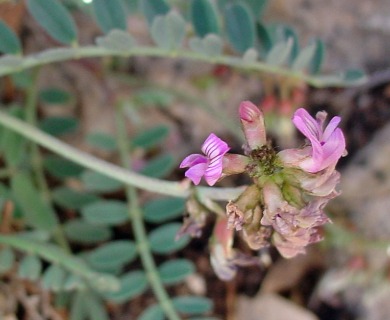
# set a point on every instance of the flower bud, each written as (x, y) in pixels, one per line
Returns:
(252, 121)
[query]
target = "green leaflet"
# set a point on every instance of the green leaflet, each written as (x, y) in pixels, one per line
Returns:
(80, 231)
(164, 209)
(192, 305)
(240, 27)
(204, 17)
(132, 283)
(163, 239)
(150, 138)
(110, 14)
(153, 8)
(9, 42)
(106, 212)
(175, 271)
(116, 40)
(58, 126)
(168, 31)
(56, 255)
(55, 19)
(36, 212)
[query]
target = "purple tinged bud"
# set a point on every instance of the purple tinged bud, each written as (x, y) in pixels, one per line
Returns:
(222, 253)
(252, 121)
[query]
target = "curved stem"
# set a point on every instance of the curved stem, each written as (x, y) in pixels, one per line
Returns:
(128, 177)
(16, 64)
(138, 224)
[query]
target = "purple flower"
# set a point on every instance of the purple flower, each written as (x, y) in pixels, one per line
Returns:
(209, 166)
(327, 145)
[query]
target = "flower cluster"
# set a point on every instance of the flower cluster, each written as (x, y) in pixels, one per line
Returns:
(284, 205)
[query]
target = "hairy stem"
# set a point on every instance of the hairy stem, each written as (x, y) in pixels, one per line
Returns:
(64, 54)
(138, 224)
(128, 177)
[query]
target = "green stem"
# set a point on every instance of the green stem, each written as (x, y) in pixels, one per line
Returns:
(16, 64)
(138, 224)
(36, 159)
(128, 177)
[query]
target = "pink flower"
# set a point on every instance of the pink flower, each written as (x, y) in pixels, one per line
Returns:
(209, 166)
(327, 145)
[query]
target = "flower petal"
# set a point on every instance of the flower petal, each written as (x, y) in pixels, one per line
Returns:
(305, 123)
(214, 146)
(330, 128)
(333, 149)
(214, 170)
(196, 172)
(193, 159)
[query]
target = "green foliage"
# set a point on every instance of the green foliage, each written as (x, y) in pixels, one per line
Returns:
(55, 96)
(87, 306)
(102, 141)
(96, 182)
(55, 19)
(204, 17)
(106, 212)
(36, 212)
(192, 305)
(56, 256)
(280, 53)
(30, 267)
(159, 166)
(168, 31)
(240, 27)
(81, 231)
(150, 138)
(163, 239)
(153, 8)
(61, 168)
(116, 41)
(112, 256)
(7, 258)
(58, 126)
(54, 278)
(211, 45)
(12, 144)
(153, 312)
(71, 199)
(9, 42)
(132, 283)
(110, 14)
(175, 271)
(164, 209)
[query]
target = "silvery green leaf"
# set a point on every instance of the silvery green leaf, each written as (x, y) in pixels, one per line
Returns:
(7, 258)
(54, 278)
(9, 42)
(304, 59)
(168, 31)
(279, 53)
(250, 55)
(211, 45)
(30, 267)
(116, 40)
